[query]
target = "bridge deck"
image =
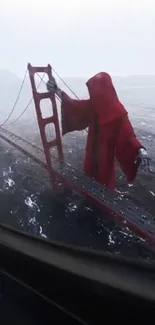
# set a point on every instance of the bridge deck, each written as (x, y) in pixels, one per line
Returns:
(138, 220)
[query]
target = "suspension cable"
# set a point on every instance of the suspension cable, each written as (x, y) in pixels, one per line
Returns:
(45, 84)
(41, 80)
(15, 103)
(65, 85)
(25, 109)
(141, 105)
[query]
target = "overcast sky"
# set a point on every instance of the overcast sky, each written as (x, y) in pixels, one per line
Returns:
(78, 37)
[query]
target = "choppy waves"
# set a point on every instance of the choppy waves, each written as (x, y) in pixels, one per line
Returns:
(27, 203)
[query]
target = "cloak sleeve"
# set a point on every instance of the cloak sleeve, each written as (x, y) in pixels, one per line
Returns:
(75, 114)
(127, 147)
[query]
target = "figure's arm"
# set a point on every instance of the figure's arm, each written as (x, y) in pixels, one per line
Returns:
(145, 160)
(52, 86)
(142, 157)
(130, 152)
(75, 112)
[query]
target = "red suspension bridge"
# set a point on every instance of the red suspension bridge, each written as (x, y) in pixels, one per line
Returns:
(63, 157)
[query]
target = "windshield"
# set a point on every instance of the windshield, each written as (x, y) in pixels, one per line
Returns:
(76, 165)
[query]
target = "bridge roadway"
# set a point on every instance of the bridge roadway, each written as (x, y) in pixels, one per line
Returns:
(123, 210)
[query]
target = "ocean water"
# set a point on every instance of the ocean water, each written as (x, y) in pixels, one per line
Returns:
(27, 203)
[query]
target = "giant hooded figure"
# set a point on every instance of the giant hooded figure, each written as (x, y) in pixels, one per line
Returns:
(110, 133)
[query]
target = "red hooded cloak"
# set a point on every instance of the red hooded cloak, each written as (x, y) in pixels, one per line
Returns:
(110, 132)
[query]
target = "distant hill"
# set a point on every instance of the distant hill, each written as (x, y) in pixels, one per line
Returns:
(9, 89)
(8, 78)
(131, 89)
(135, 81)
